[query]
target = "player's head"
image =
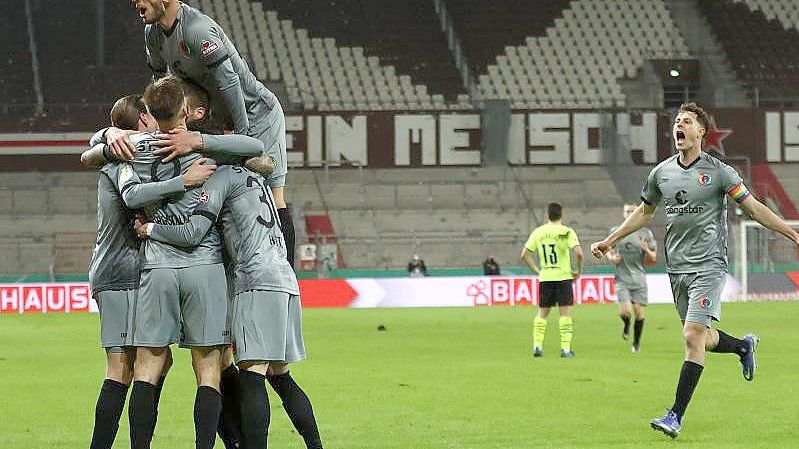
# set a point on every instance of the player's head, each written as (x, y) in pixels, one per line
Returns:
(151, 11)
(200, 116)
(166, 102)
(554, 212)
(629, 208)
(690, 126)
(130, 112)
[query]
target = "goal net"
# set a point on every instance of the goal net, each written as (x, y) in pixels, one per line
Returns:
(767, 264)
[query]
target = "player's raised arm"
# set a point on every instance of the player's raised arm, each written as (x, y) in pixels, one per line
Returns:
(638, 219)
(204, 216)
(136, 194)
(182, 142)
(765, 216)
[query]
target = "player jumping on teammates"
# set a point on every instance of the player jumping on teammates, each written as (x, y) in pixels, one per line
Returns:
(554, 242)
(630, 256)
(183, 41)
(115, 269)
(267, 317)
(694, 186)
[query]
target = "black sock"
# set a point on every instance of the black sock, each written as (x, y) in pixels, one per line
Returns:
(689, 378)
(109, 407)
(637, 331)
(229, 429)
(141, 414)
(298, 407)
(626, 321)
(729, 344)
(207, 408)
(287, 226)
(157, 401)
(254, 403)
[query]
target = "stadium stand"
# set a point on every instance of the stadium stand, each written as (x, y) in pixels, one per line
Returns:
(323, 68)
(577, 62)
(759, 37)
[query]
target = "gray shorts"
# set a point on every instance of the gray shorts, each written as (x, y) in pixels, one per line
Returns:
(634, 295)
(697, 296)
(116, 309)
(267, 326)
(186, 305)
(273, 134)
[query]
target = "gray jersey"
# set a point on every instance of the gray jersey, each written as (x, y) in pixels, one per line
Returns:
(115, 261)
(630, 271)
(198, 49)
(147, 167)
(695, 200)
(248, 218)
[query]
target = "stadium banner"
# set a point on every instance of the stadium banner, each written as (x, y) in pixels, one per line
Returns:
(448, 138)
(466, 291)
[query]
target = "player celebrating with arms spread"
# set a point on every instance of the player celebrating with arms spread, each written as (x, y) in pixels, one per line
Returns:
(693, 186)
(630, 256)
(553, 242)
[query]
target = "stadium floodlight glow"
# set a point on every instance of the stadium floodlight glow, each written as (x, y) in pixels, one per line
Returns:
(674, 73)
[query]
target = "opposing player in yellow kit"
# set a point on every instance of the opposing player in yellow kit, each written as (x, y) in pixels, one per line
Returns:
(554, 242)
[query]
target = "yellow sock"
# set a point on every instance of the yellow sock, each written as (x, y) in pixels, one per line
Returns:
(539, 331)
(566, 331)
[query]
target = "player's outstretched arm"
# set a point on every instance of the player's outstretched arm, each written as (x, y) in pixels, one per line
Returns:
(203, 217)
(181, 142)
(638, 219)
(763, 215)
(261, 164)
(136, 194)
(94, 157)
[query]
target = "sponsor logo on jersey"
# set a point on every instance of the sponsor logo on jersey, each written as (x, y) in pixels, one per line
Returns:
(705, 302)
(682, 205)
(705, 179)
(208, 47)
(203, 198)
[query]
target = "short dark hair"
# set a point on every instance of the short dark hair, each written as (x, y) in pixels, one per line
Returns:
(704, 118)
(554, 211)
(164, 98)
(196, 95)
(126, 110)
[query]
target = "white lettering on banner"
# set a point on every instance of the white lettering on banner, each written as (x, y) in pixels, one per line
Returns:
(583, 153)
(9, 300)
(46, 298)
(313, 140)
(33, 300)
(643, 137)
(549, 138)
(517, 145)
(454, 139)
(344, 141)
(414, 130)
(791, 134)
(294, 125)
(773, 137)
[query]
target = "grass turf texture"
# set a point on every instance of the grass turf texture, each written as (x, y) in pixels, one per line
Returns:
(440, 378)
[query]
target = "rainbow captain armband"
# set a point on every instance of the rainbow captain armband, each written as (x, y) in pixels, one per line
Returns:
(739, 192)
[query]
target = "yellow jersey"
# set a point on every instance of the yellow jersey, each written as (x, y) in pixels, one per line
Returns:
(553, 243)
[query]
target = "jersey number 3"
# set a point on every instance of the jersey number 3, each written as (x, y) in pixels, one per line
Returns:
(265, 198)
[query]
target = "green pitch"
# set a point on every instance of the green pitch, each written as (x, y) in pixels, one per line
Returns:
(440, 378)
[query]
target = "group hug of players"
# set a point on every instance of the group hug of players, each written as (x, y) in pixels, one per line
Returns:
(194, 243)
(693, 187)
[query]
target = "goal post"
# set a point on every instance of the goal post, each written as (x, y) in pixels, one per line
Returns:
(767, 262)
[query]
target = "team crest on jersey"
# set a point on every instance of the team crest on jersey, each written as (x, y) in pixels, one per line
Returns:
(704, 179)
(184, 49)
(208, 47)
(705, 302)
(203, 198)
